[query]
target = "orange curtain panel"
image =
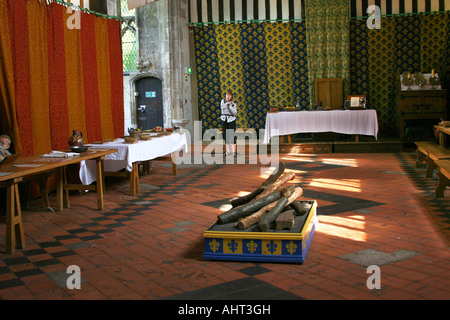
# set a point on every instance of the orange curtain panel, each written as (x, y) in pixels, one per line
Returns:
(57, 69)
(74, 90)
(57, 76)
(116, 74)
(104, 77)
(8, 116)
(90, 78)
(18, 26)
(38, 71)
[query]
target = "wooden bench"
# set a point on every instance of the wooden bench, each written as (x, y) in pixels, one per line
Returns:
(430, 152)
(444, 177)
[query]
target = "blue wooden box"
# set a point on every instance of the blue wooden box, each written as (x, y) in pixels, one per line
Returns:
(225, 242)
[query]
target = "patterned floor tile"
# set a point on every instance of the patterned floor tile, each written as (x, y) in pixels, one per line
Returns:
(150, 246)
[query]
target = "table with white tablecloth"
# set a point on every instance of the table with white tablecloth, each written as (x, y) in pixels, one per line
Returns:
(358, 122)
(128, 155)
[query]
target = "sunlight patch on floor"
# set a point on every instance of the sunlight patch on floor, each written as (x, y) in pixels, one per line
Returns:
(341, 162)
(351, 228)
(352, 185)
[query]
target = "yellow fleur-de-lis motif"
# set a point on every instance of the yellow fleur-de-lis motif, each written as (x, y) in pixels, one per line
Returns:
(252, 245)
(214, 245)
(291, 247)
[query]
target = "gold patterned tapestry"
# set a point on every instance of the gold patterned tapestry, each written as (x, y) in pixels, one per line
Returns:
(263, 64)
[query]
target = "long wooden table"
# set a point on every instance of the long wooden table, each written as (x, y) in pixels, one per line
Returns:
(11, 175)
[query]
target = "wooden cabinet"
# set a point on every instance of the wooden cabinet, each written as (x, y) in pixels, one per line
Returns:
(328, 92)
(418, 111)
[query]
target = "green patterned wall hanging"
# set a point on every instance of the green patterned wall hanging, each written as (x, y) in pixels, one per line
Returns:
(328, 42)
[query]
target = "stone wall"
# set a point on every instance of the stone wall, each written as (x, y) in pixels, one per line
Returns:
(164, 41)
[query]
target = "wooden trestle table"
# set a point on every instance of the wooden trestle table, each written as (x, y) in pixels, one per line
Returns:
(11, 175)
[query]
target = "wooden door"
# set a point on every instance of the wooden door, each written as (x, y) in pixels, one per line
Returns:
(149, 103)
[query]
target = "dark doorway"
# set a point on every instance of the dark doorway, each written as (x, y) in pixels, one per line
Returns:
(149, 103)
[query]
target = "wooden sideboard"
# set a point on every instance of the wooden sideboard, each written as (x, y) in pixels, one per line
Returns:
(418, 111)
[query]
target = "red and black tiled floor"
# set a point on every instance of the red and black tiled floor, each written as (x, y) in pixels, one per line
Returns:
(374, 209)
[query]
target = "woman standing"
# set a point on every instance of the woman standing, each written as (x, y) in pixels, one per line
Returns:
(228, 109)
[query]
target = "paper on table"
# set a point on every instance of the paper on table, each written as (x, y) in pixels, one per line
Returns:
(60, 154)
(2, 174)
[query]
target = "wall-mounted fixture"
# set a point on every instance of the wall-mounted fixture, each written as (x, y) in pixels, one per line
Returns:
(143, 65)
(187, 72)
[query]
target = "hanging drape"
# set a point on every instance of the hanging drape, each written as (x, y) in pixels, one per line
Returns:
(266, 70)
(328, 42)
(57, 78)
(416, 43)
(263, 64)
(7, 92)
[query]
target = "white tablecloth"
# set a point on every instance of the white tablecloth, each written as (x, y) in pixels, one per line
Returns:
(128, 153)
(341, 121)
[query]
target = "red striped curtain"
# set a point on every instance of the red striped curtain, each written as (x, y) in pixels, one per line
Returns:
(8, 116)
(64, 78)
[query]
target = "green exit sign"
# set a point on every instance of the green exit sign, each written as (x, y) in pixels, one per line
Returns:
(150, 94)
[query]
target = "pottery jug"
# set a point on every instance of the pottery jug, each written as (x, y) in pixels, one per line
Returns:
(76, 139)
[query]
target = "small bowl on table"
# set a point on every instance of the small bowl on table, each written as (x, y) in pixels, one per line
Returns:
(79, 149)
(144, 136)
(130, 139)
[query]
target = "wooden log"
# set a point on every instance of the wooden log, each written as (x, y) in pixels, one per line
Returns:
(270, 180)
(248, 221)
(285, 220)
(268, 217)
(247, 209)
(287, 190)
(247, 198)
(274, 176)
(300, 208)
(274, 186)
(252, 219)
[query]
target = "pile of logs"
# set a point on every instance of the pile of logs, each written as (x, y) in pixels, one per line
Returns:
(275, 201)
